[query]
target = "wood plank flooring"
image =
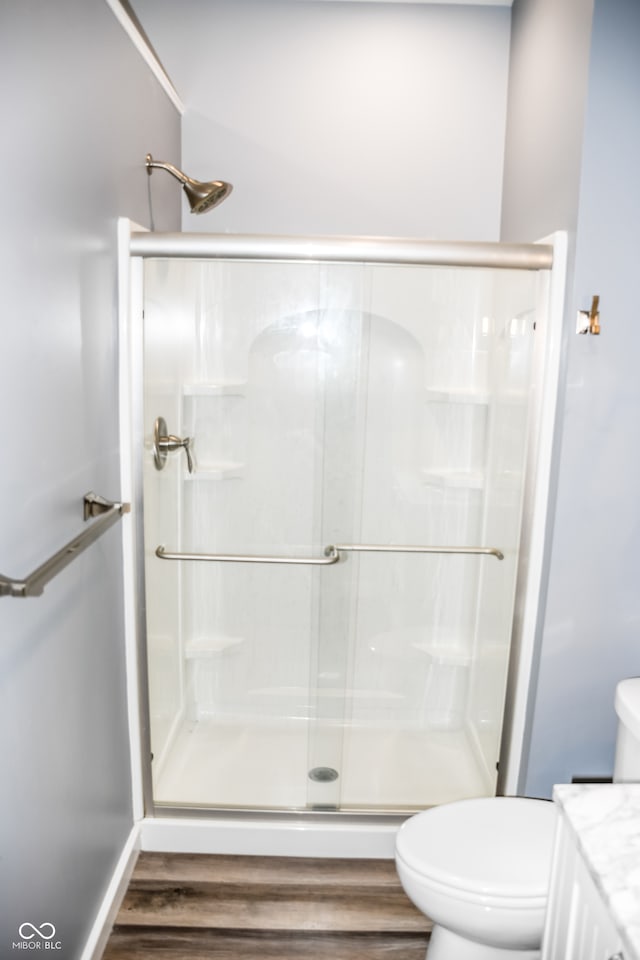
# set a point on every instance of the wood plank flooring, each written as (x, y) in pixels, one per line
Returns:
(203, 907)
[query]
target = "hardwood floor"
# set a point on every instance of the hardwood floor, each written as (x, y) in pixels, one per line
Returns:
(201, 907)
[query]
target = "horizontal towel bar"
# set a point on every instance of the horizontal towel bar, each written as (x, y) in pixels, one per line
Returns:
(33, 585)
(331, 553)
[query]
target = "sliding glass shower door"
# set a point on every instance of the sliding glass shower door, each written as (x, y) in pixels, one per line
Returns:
(333, 478)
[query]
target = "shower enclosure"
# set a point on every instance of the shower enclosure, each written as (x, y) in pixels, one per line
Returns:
(335, 452)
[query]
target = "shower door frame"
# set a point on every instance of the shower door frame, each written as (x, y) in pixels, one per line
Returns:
(136, 244)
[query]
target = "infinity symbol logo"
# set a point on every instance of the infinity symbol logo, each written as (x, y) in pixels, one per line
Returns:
(39, 931)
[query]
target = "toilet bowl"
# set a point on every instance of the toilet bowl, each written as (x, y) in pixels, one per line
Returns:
(479, 869)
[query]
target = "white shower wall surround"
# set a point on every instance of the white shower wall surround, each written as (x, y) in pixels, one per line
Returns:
(333, 403)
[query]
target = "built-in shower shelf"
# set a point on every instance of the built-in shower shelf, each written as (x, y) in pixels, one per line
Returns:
(457, 396)
(216, 388)
(224, 470)
(443, 653)
(454, 479)
(207, 647)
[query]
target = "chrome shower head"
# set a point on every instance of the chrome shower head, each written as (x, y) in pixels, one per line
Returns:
(201, 196)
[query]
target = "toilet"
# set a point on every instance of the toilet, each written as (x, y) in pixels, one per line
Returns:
(479, 869)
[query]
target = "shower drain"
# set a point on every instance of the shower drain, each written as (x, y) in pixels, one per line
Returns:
(323, 774)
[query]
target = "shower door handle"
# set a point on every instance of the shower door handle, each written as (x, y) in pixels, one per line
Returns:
(164, 443)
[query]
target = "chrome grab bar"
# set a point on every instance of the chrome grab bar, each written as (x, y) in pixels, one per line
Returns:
(34, 584)
(331, 553)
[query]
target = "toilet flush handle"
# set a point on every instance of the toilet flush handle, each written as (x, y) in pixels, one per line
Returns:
(165, 443)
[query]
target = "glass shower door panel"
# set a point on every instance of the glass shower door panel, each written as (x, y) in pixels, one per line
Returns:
(265, 345)
(446, 390)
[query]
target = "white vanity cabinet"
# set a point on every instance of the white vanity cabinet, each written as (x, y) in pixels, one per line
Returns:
(579, 925)
(594, 895)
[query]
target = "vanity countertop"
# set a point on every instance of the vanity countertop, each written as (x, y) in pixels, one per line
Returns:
(605, 820)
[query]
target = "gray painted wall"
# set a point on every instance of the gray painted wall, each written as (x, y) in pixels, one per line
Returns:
(341, 118)
(591, 636)
(80, 109)
(545, 117)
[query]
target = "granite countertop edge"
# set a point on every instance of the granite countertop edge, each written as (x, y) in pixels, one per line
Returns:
(605, 821)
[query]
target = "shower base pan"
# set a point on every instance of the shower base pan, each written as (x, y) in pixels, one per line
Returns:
(241, 766)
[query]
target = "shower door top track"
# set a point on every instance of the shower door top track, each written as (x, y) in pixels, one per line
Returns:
(390, 250)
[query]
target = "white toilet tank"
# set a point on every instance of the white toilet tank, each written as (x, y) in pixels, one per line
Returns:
(627, 702)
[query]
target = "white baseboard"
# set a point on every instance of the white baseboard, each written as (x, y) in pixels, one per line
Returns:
(108, 910)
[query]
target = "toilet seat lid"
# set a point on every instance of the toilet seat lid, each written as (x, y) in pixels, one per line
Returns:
(496, 846)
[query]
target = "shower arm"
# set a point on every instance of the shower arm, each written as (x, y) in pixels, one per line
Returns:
(331, 553)
(169, 167)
